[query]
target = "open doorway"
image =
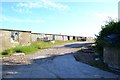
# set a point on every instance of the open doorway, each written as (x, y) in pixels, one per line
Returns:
(73, 37)
(68, 37)
(53, 37)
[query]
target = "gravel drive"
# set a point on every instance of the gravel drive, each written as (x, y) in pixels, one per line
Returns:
(55, 62)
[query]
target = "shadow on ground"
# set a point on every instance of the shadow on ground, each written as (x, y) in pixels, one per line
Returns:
(77, 45)
(14, 68)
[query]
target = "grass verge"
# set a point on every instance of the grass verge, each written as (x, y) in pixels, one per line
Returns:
(34, 47)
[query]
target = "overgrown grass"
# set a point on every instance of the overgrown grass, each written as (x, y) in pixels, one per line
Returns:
(34, 47)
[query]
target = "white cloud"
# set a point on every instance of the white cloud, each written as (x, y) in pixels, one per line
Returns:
(21, 10)
(55, 5)
(30, 4)
(42, 4)
(11, 19)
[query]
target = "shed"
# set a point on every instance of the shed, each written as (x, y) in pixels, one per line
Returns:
(11, 38)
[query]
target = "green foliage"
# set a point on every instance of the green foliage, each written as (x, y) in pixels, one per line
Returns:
(33, 47)
(7, 52)
(111, 27)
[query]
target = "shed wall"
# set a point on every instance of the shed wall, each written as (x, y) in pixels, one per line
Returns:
(112, 57)
(71, 38)
(58, 37)
(65, 38)
(24, 38)
(7, 42)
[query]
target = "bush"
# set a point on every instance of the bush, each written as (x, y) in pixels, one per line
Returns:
(110, 28)
(8, 51)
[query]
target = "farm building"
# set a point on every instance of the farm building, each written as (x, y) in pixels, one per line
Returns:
(44, 37)
(81, 38)
(11, 38)
(64, 37)
(50, 37)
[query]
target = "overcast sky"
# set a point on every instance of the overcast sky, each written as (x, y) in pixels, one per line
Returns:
(81, 18)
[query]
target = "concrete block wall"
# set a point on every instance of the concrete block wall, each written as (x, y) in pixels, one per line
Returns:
(58, 37)
(6, 41)
(65, 38)
(24, 38)
(71, 37)
(49, 36)
(33, 37)
(112, 57)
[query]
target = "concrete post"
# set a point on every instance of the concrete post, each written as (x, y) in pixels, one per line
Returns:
(119, 11)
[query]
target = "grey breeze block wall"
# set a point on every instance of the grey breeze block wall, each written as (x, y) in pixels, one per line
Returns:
(24, 38)
(4, 39)
(112, 57)
(65, 38)
(35, 36)
(41, 36)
